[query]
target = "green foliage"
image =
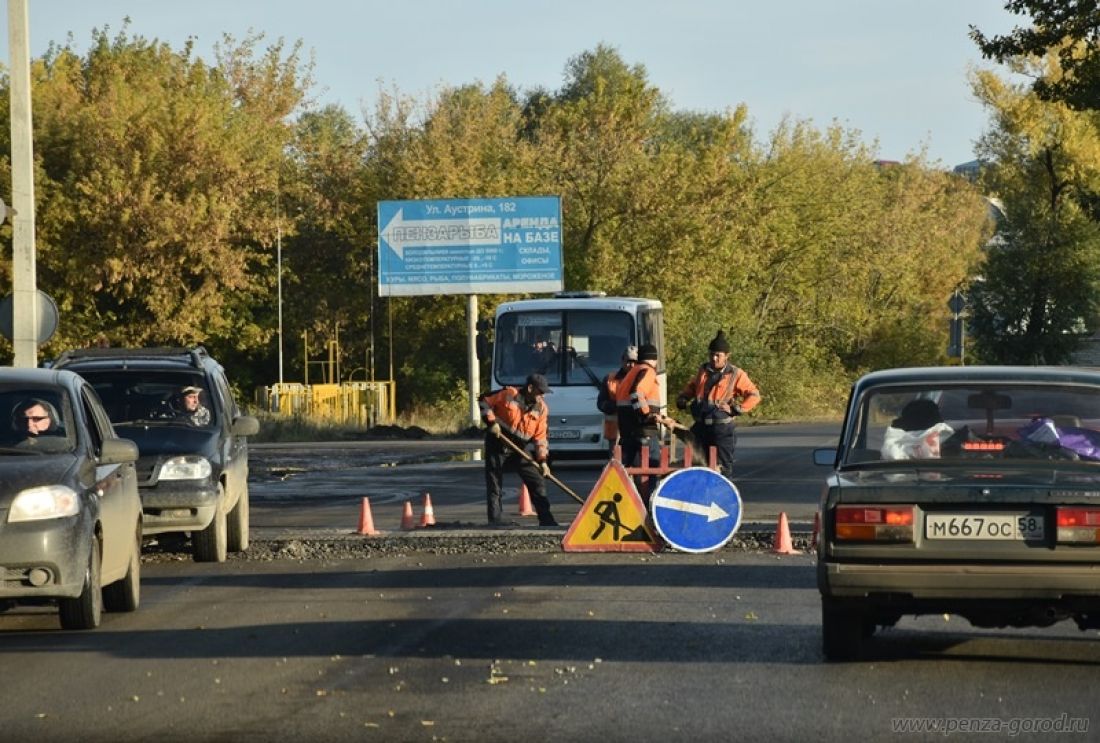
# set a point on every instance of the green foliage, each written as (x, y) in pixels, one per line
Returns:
(1069, 28)
(168, 185)
(156, 176)
(1037, 293)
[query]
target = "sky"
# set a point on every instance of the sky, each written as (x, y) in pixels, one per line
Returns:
(895, 70)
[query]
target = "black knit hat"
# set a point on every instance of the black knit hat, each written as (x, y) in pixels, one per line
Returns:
(720, 344)
(918, 415)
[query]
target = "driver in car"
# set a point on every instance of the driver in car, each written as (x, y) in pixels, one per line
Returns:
(189, 407)
(31, 418)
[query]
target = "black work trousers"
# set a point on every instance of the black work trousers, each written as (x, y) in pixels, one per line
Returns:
(500, 457)
(723, 437)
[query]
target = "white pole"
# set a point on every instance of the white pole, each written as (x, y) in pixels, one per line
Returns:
(24, 282)
(471, 357)
(279, 269)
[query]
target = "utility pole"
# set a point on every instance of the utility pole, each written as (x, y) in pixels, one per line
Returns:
(24, 281)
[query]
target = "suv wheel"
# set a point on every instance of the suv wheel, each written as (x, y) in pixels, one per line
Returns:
(210, 544)
(238, 523)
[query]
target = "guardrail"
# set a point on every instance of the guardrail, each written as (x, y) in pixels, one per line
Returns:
(365, 404)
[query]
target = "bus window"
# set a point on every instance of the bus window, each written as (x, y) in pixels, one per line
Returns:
(651, 326)
(528, 342)
(599, 337)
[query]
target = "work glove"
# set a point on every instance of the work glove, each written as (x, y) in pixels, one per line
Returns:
(544, 468)
(737, 410)
(682, 402)
(494, 429)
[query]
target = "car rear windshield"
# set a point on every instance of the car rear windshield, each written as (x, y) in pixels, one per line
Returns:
(1003, 421)
(152, 396)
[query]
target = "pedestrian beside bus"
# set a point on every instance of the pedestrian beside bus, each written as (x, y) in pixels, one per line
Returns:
(638, 402)
(605, 400)
(716, 395)
(520, 415)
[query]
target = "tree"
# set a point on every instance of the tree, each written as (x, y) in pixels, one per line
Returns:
(328, 261)
(156, 181)
(464, 143)
(1037, 292)
(1069, 28)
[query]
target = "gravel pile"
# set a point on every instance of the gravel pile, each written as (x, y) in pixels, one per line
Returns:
(353, 546)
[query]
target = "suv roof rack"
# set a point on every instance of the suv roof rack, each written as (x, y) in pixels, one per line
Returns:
(194, 354)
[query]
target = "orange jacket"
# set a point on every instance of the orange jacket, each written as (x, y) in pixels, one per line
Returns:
(606, 402)
(638, 397)
(527, 424)
(732, 387)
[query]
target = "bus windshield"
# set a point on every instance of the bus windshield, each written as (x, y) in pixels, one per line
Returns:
(561, 344)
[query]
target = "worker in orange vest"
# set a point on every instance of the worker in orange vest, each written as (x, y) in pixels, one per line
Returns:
(638, 402)
(717, 394)
(521, 415)
(605, 400)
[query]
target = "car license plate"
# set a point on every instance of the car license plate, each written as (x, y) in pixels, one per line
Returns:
(1007, 526)
(568, 434)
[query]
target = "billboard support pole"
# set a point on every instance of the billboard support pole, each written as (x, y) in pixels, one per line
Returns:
(471, 357)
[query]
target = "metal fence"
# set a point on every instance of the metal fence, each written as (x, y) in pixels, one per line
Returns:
(364, 404)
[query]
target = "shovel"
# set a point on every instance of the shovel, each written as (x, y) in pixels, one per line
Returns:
(550, 477)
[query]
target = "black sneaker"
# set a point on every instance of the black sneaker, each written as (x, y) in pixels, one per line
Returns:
(548, 524)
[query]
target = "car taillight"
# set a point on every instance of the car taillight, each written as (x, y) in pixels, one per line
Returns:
(874, 523)
(1078, 525)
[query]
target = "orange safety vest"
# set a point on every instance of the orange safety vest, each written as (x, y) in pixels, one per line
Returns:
(527, 424)
(609, 407)
(638, 396)
(731, 386)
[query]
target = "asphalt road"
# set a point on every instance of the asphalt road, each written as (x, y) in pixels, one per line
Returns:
(321, 486)
(507, 647)
(415, 639)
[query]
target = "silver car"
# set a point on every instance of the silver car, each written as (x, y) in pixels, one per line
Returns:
(972, 491)
(70, 515)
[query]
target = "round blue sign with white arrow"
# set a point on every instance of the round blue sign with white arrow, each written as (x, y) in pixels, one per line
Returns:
(696, 509)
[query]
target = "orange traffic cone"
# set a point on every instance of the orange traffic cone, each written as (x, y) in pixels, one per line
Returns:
(525, 507)
(427, 518)
(782, 545)
(816, 531)
(366, 521)
(408, 522)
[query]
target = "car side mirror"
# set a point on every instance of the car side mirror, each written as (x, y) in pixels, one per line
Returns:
(825, 457)
(118, 451)
(245, 425)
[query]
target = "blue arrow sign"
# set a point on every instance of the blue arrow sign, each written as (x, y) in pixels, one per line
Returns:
(470, 246)
(696, 509)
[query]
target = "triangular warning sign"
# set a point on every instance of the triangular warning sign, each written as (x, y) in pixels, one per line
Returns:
(612, 519)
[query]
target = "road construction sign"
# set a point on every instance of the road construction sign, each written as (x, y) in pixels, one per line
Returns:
(696, 509)
(612, 519)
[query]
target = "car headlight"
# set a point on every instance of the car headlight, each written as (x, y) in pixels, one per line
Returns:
(185, 468)
(46, 502)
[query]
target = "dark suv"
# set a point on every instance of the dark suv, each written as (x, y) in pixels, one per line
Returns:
(176, 404)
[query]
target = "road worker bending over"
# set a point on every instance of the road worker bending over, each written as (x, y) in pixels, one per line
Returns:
(716, 395)
(605, 399)
(519, 416)
(638, 402)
